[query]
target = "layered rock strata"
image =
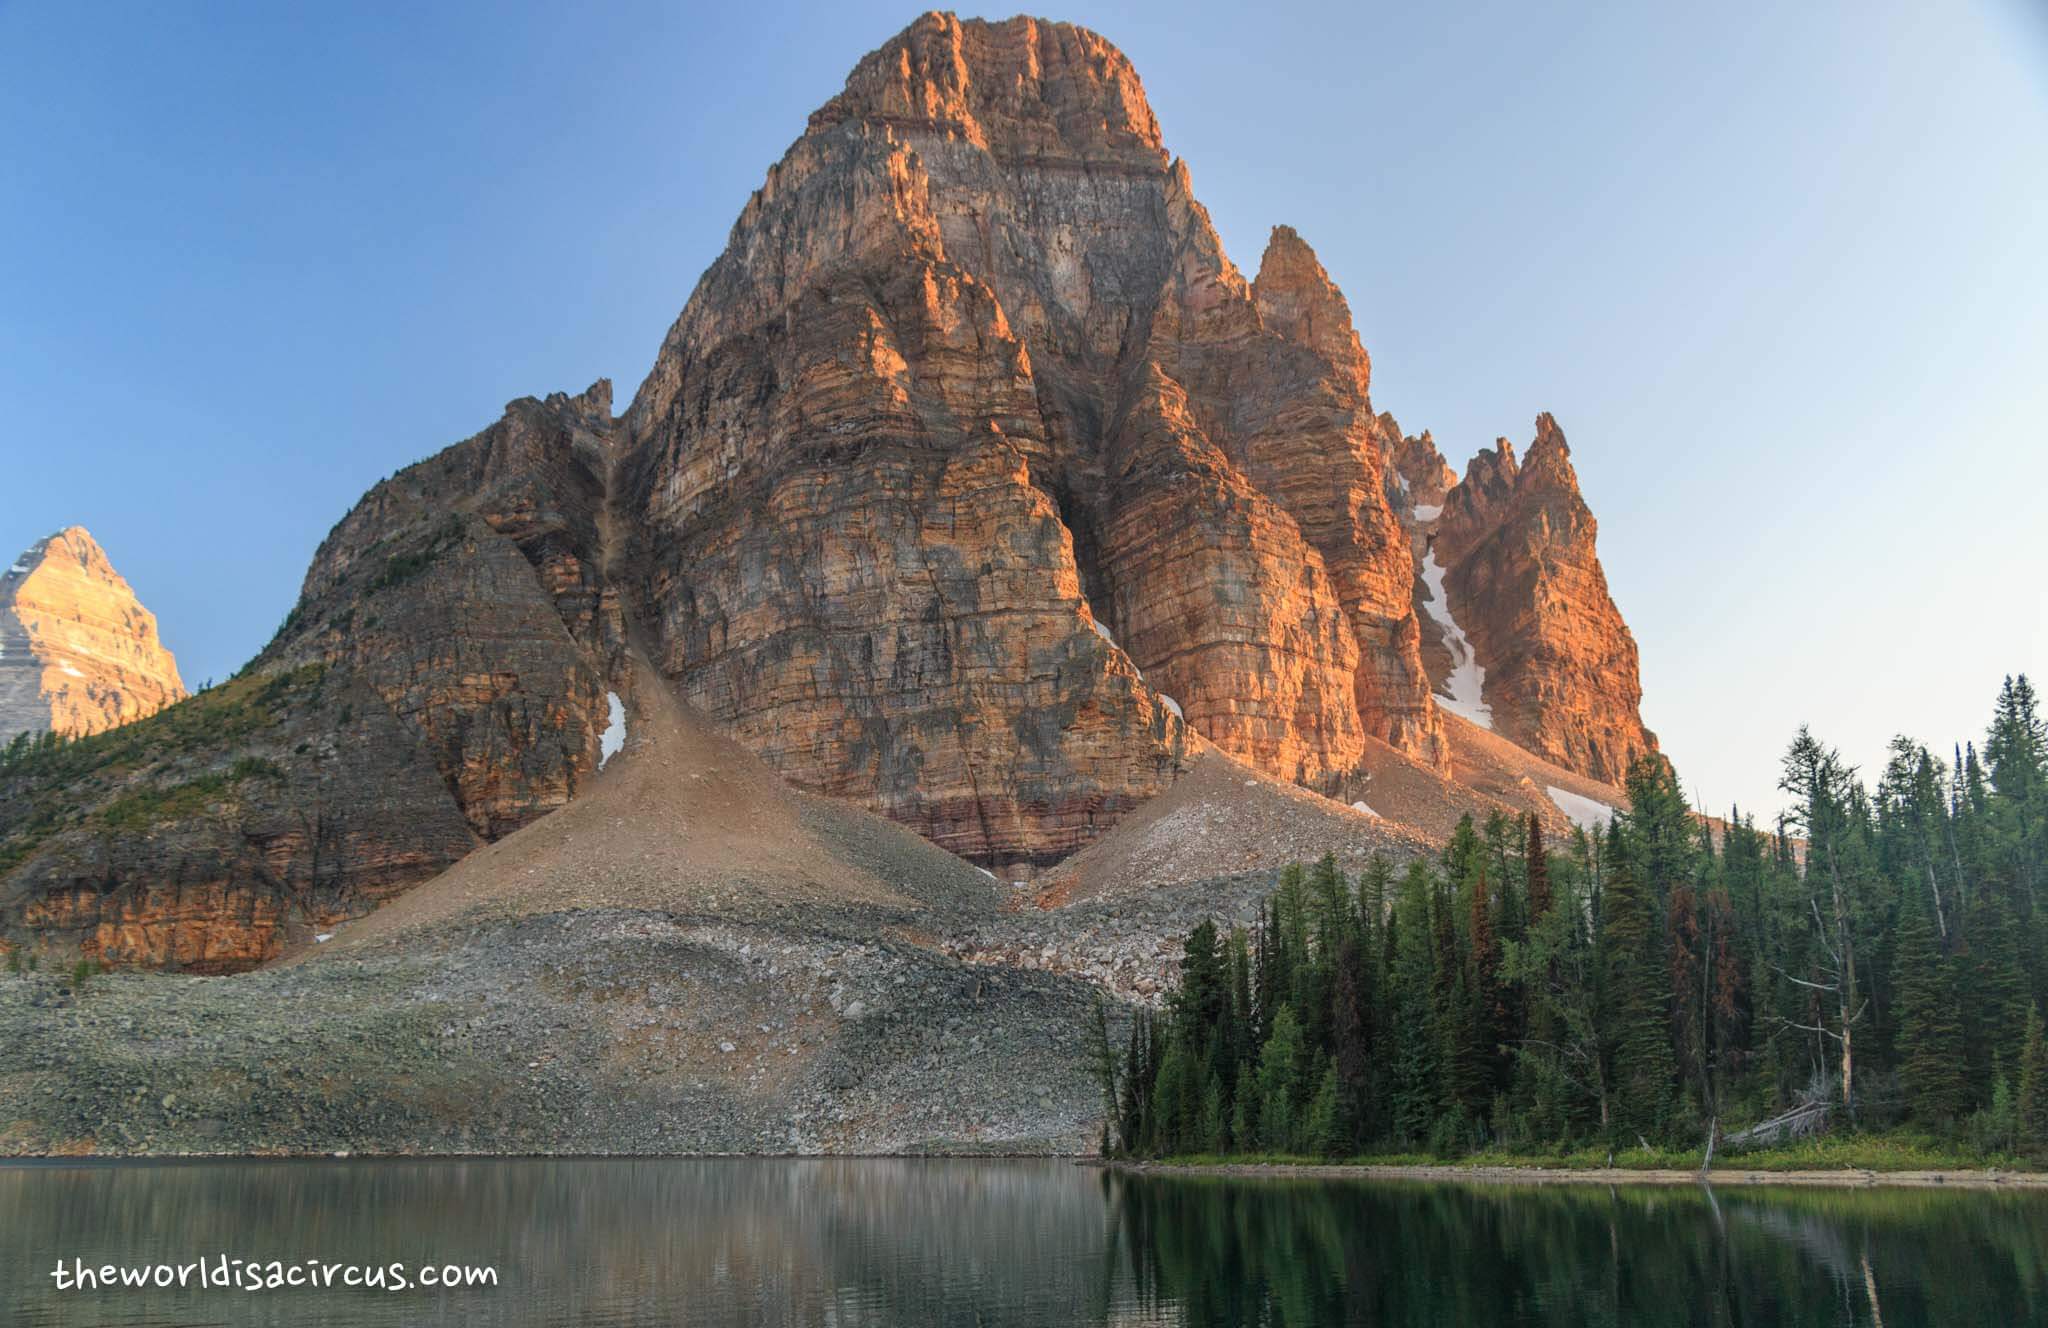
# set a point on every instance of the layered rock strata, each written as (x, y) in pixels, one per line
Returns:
(441, 682)
(973, 380)
(1516, 542)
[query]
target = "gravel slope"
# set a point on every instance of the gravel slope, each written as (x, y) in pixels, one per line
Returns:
(692, 958)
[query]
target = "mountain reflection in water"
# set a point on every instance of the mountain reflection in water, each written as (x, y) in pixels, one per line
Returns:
(911, 1242)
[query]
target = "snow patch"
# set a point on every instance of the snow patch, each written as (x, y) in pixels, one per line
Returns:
(1361, 807)
(18, 569)
(986, 872)
(66, 666)
(323, 938)
(613, 738)
(1172, 705)
(1428, 511)
(1466, 687)
(1589, 814)
(1102, 631)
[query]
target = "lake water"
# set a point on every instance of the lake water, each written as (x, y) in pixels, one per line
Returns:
(860, 1242)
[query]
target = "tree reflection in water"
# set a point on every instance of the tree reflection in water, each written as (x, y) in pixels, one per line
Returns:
(1222, 1250)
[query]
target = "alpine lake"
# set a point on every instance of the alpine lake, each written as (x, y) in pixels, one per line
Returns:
(983, 1242)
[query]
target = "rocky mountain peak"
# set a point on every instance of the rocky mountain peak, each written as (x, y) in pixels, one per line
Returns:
(78, 652)
(1298, 300)
(1517, 540)
(1023, 90)
(1425, 476)
(593, 402)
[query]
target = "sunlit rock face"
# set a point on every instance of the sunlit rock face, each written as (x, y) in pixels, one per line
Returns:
(974, 377)
(1516, 541)
(78, 652)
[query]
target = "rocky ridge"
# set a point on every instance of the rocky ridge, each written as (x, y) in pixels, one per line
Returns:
(442, 682)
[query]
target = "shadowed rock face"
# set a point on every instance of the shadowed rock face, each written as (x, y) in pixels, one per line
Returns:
(440, 684)
(1561, 671)
(78, 652)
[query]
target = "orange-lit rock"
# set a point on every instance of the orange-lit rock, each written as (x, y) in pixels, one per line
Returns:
(973, 377)
(78, 652)
(1526, 584)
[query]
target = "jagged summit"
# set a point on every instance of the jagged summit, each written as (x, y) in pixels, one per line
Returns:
(78, 652)
(1024, 90)
(1518, 541)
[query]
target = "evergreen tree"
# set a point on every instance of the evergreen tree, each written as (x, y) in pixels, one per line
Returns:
(1351, 1050)
(1281, 1065)
(2033, 1096)
(1413, 974)
(1634, 1013)
(1993, 993)
(1930, 1022)
(1537, 871)
(1489, 1018)
(1321, 1133)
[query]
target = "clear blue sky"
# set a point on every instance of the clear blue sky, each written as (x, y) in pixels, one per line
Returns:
(1781, 271)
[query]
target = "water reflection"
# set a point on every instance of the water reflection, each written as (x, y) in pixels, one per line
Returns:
(1298, 1253)
(1030, 1243)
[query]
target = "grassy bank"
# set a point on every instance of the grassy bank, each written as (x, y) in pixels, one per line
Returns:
(1883, 1154)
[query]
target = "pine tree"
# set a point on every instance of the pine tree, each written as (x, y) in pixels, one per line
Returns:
(1212, 1128)
(1279, 1080)
(1412, 975)
(1462, 1087)
(1237, 1044)
(1351, 1050)
(1489, 1018)
(1321, 1133)
(1244, 1111)
(2033, 1098)
(1202, 1004)
(1134, 1104)
(1176, 1100)
(1993, 987)
(1931, 1066)
(1538, 871)
(1103, 1061)
(1634, 1002)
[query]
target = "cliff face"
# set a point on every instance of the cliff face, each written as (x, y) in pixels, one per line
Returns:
(78, 652)
(441, 682)
(1515, 542)
(974, 379)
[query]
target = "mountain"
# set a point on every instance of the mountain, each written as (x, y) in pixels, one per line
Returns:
(78, 652)
(1514, 545)
(974, 487)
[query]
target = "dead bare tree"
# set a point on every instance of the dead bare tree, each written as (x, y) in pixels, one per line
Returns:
(1825, 788)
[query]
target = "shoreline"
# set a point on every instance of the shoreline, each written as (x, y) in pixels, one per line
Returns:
(1845, 1178)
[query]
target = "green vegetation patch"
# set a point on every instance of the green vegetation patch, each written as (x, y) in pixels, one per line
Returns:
(51, 784)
